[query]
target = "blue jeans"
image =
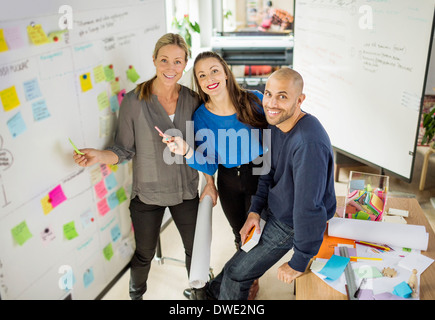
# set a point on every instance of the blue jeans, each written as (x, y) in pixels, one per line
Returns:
(243, 268)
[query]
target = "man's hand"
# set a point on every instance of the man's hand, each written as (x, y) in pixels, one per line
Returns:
(253, 220)
(287, 274)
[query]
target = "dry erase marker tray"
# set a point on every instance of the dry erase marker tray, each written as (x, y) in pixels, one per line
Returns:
(366, 196)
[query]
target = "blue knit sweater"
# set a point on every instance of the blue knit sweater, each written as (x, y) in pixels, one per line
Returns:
(299, 189)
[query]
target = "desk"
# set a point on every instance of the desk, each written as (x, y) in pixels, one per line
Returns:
(310, 287)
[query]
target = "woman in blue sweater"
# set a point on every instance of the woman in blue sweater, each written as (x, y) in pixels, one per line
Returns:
(228, 134)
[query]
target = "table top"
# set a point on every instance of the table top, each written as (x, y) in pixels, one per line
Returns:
(310, 287)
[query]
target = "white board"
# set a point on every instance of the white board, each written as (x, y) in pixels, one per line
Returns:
(364, 66)
(36, 155)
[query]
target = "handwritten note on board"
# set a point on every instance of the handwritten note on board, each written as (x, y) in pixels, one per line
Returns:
(21, 233)
(9, 98)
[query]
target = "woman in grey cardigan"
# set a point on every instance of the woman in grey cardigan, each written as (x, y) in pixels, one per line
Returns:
(157, 182)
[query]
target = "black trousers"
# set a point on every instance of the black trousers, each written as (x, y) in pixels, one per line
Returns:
(236, 186)
(147, 220)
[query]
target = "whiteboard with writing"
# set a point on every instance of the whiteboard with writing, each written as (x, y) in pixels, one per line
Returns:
(364, 66)
(65, 231)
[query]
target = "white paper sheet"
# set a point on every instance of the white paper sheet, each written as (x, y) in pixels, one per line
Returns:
(200, 265)
(393, 234)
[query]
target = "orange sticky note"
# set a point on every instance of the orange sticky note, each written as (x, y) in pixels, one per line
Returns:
(85, 82)
(3, 44)
(37, 35)
(9, 98)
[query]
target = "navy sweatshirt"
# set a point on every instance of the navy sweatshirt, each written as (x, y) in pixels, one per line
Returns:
(299, 189)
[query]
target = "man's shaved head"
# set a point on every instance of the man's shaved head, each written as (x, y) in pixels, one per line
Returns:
(288, 74)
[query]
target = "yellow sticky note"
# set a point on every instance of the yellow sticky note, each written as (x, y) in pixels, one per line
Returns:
(3, 44)
(46, 205)
(99, 75)
(85, 82)
(9, 98)
(115, 86)
(37, 35)
(103, 101)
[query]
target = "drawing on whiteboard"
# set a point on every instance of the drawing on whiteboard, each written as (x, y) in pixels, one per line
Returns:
(6, 160)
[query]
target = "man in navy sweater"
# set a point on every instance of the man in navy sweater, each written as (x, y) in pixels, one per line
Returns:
(296, 197)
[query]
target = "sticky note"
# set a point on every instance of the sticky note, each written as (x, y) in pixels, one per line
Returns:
(103, 101)
(109, 73)
(3, 44)
(14, 38)
(85, 82)
(402, 290)
(16, 125)
(103, 207)
(120, 193)
(40, 110)
(108, 252)
(99, 75)
(100, 189)
(111, 181)
(69, 230)
(121, 95)
(9, 98)
(57, 196)
(115, 86)
(114, 104)
(334, 267)
(368, 271)
(105, 170)
(56, 36)
(88, 277)
(112, 200)
(95, 174)
(115, 232)
(132, 74)
(46, 205)
(31, 89)
(21, 233)
(37, 35)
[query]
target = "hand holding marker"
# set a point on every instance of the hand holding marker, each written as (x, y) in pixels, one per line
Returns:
(75, 148)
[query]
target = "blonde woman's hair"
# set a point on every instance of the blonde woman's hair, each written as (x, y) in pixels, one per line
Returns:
(143, 90)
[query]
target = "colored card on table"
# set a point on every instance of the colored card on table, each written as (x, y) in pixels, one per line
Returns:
(334, 267)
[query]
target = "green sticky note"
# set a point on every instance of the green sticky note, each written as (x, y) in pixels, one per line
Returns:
(21, 233)
(368, 272)
(75, 148)
(132, 74)
(109, 73)
(69, 230)
(120, 193)
(108, 252)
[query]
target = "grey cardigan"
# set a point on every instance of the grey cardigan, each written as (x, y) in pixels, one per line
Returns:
(155, 181)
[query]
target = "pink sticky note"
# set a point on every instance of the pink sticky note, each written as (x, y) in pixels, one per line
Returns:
(103, 207)
(56, 196)
(121, 95)
(14, 37)
(100, 189)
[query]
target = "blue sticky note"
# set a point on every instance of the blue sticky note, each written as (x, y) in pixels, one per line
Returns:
(402, 290)
(16, 125)
(31, 89)
(114, 103)
(88, 277)
(334, 267)
(115, 232)
(356, 185)
(112, 200)
(40, 111)
(111, 181)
